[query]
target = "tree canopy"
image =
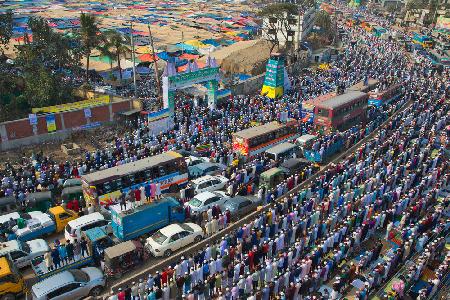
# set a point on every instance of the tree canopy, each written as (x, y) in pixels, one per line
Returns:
(6, 29)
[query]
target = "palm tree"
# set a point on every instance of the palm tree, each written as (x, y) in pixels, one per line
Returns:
(88, 36)
(117, 44)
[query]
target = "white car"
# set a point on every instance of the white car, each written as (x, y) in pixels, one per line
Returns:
(194, 160)
(209, 183)
(205, 200)
(173, 237)
(22, 253)
(71, 284)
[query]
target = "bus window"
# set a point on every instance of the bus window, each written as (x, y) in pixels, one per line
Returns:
(162, 171)
(323, 112)
(148, 174)
(155, 172)
(107, 187)
(140, 177)
(117, 184)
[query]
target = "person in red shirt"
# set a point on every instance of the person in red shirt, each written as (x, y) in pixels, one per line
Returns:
(121, 295)
(164, 277)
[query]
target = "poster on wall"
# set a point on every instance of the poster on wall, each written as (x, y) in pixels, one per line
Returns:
(33, 119)
(51, 123)
(87, 113)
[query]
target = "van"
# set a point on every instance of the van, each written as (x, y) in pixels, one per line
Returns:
(75, 227)
(283, 151)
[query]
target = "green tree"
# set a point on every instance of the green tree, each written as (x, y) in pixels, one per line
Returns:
(323, 20)
(88, 36)
(280, 19)
(117, 45)
(6, 30)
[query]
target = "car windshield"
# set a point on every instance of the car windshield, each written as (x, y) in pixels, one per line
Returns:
(24, 247)
(68, 228)
(186, 227)
(195, 202)
(159, 237)
(231, 204)
(79, 275)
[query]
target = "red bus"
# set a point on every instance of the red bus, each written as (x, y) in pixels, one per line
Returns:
(255, 140)
(342, 111)
(392, 93)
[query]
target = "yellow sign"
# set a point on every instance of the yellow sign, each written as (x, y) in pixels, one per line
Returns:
(73, 106)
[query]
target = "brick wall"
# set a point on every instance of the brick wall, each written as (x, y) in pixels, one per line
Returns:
(21, 129)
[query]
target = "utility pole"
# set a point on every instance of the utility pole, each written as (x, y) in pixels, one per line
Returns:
(155, 65)
(134, 59)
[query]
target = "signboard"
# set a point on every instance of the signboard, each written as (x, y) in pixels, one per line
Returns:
(73, 106)
(51, 123)
(33, 119)
(157, 115)
(201, 74)
(87, 113)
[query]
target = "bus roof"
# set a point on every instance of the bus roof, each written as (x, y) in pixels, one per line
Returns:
(320, 98)
(341, 99)
(371, 83)
(258, 130)
(281, 148)
(130, 168)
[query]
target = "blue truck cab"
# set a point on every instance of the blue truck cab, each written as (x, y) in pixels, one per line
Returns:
(130, 223)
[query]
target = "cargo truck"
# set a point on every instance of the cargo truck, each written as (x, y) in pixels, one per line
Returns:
(131, 223)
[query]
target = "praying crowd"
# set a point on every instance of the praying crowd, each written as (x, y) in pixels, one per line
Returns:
(356, 224)
(346, 232)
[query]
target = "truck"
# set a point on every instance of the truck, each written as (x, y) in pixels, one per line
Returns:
(97, 241)
(12, 285)
(316, 157)
(36, 224)
(132, 223)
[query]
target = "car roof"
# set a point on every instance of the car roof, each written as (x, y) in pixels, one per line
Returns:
(86, 219)
(204, 165)
(171, 229)
(8, 246)
(51, 283)
(236, 200)
(202, 179)
(205, 196)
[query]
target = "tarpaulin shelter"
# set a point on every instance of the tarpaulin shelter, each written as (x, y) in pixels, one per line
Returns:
(147, 57)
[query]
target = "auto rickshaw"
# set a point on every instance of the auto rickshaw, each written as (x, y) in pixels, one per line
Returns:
(71, 193)
(40, 201)
(123, 257)
(271, 178)
(8, 205)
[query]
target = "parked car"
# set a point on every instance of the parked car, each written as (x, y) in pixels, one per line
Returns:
(194, 160)
(209, 183)
(239, 206)
(173, 237)
(71, 284)
(205, 168)
(22, 253)
(75, 227)
(203, 201)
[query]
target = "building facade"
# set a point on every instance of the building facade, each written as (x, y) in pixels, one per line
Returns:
(291, 28)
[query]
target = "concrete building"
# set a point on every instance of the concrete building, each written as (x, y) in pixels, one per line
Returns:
(290, 29)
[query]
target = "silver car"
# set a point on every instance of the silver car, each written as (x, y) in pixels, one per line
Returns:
(71, 284)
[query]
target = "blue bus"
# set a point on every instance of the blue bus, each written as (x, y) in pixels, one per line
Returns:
(379, 98)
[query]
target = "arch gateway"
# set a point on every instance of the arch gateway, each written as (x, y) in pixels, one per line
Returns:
(173, 81)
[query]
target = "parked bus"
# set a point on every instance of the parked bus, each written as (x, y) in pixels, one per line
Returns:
(255, 140)
(423, 40)
(378, 98)
(104, 187)
(362, 87)
(341, 111)
(309, 105)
